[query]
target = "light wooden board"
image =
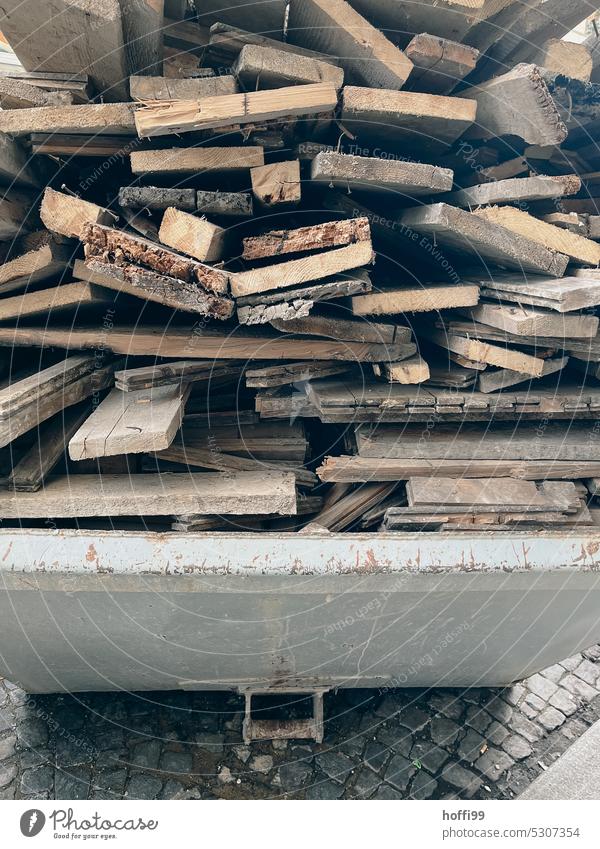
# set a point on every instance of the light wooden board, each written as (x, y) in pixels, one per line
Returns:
(480, 493)
(78, 496)
(439, 63)
(196, 160)
(412, 371)
(267, 67)
(89, 119)
(353, 330)
(41, 263)
(566, 295)
(531, 321)
(192, 235)
(46, 301)
(367, 173)
(564, 57)
(484, 352)
(276, 184)
(131, 423)
(538, 187)
(193, 88)
(415, 299)
(66, 215)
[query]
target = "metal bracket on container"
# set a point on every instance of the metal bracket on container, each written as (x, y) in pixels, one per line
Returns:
(284, 729)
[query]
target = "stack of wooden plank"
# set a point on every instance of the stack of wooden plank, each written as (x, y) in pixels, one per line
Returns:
(319, 265)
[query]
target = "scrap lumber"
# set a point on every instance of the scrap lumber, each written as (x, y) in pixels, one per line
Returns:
(194, 236)
(266, 67)
(284, 374)
(495, 380)
(484, 352)
(519, 104)
(367, 173)
(352, 330)
(131, 422)
(578, 248)
(18, 94)
(209, 113)
(277, 184)
(352, 506)
(226, 204)
(554, 20)
(49, 447)
(75, 86)
(19, 393)
(469, 232)
(142, 31)
(275, 441)
(424, 298)
(227, 41)
(66, 214)
(48, 259)
(447, 18)
(488, 495)
(564, 57)
(411, 371)
(196, 160)
(184, 371)
(115, 119)
(566, 295)
(110, 245)
(515, 190)
(439, 63)
(47, 301)
(365, 54)
(75, 36)
(153, 198)
(150, 88)
(16, 168)
(263, 17)
(77, 496)
(314, 237)
(55, 144)
(533, 321)
(420, 120)
(15, 214)
(294, 272)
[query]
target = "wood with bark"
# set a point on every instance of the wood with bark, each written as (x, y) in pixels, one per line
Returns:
(310, 238)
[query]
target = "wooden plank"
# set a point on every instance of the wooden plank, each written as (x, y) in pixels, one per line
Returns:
(48, 449)
(186, 371)
(265, 16)
(66, 214)
(566, 295)
(314, 237)
(105, 244)
(226, 42)
(19, 393)
(578, 248)
(285, 374)
(18, 94)
(439, 63)
(519, 104)
(351, 330)
(556, 19)
(191, 88)
(158, 288)
(358, 469)
(295, 272)
(365, 54)
(266, 67)
(115, 119)
(152, 198)
(70, 36)
(372, 174)
(15, 165)
(412, 371)
(352, 506)
(493, 381)
(15, 214)
(142, 31)
(473, 233)
(531, 321)
(447, 18)
(196, 237)
(77, 86)
(185, 342)
(78, 496)
(564, 57)
(131, 422)
(484, 352)
(196, 160)
(538, 187)
(226, 204)
(484, 494)
(64, 297)
(55, 144)
(405, 116)
(277, 184)
(428, 298)
(209, 113)
(48, 260)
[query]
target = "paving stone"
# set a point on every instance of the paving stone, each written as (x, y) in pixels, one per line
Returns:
(448, 704)
(514, 694)
(529, 711)
(210, 741)
(523, 726)
(572, 663)
(389, 707)
(109, 784)
(462, 779)
(497, 733)
(551, 718)
(469, 748)
(73, 783)
(429, 755)
(588, 672)
(387, 794)
(577, 687)
(6, 721)
(517, 747)
(35, 757)
(366, 783)
(564, 702)
(423, 786)
(8, 747)
(294, 775)
(335, 765)
(376, 755)
(146, 755)
(176, 762)
(72, 752)
(399, 772)
(172, 789)
(554, 673)
(413, 718)
(242, 752)
(493, 763)
(444, 731)
(499, 709)
(32, 733)
(593, 653)
(477, 718)
(261, 763)
(143, 787)
(325, 790)
(9, 792)
(37, 781)
(353, 745)
(397, 739)
(8, 772)
(541, 686)
(536, 703)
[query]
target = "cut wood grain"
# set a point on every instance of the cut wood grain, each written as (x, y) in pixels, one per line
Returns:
(49, 259)
(193, 88)
(334, 27)
(367, 173)
(411, 371)
(531, 321)
(66, 214)
(209, 113)
(298, 271)
(471, 233)
(77, 496)
(579, 249)
(415, 299)
(538, 187)
(314, 237)
(152, 198)
(46, 301)
(88, 119)
(191, 235)
(276, 184)
(131, 423)
(196, 160)
(439, 63)
(267, 67)
(564, 57)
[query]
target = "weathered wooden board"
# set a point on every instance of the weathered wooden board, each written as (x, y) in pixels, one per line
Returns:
(49, 259)
(66, 214)
(367, 173)
(179, 371)
(226, 204)
(412, 371)
(431, 297)
(82, 119)
(143, 35)
(314, 237)
(196, 160)
(353, 330)
(267, 67)
(291, 373)
(153, 198)
(495, 380)
(439, 63)
(47, 301)
(532, 321)
(566, 295)
(484, 494)
(538, 187)
(192, 88)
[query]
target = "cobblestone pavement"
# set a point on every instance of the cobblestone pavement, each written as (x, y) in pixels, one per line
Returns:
(383, 745)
